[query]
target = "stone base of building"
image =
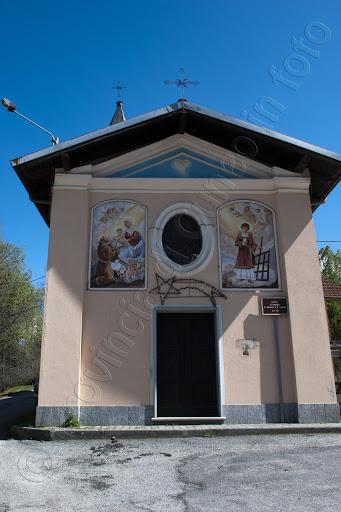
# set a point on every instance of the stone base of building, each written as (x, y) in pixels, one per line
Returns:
(292, 413)
(100, 415)
(318, 413)
(54, 416)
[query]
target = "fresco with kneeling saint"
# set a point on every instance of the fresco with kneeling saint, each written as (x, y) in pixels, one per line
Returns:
(117, 251)
(248, 256)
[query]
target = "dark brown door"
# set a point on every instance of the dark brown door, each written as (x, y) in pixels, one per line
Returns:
(186, 365)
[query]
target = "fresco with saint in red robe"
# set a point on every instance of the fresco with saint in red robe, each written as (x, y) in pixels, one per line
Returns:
(248, 257)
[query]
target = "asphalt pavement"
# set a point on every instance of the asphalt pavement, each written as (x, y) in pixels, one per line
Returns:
(13, 408)
(283, 473)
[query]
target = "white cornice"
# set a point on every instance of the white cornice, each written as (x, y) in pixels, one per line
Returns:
(183, 185)
(72, 181)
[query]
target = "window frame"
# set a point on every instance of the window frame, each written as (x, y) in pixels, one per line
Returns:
(207, 234)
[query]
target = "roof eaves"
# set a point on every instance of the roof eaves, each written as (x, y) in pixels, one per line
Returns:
(263, 131)
(96, 134)
(179, 105)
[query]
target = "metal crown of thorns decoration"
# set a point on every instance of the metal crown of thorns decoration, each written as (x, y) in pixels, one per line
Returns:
(167, 287)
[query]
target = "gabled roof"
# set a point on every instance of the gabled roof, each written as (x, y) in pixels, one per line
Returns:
(36, 171)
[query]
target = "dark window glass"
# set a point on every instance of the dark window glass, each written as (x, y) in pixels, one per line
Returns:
(181, 239)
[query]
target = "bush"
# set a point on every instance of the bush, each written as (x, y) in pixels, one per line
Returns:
(71, 421)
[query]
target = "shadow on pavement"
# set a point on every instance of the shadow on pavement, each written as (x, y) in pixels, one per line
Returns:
(16, 409)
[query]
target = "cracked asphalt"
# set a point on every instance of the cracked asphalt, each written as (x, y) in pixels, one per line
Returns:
(258, 473)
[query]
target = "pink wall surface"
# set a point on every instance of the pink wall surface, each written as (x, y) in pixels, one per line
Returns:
(97, 346)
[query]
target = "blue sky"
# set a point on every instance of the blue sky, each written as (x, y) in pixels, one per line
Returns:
(60, 59)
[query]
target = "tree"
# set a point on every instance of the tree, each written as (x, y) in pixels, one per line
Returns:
(21, 308)
(330, 263)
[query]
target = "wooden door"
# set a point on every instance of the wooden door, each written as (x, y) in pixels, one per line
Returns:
(186, 365)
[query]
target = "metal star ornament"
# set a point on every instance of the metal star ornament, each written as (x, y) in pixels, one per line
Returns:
(164, 288)
(176, 286)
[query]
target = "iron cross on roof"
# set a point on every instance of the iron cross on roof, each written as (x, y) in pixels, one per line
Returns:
(181, 82)
(119, 88)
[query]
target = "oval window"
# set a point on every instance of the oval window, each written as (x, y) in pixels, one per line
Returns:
(182, 239)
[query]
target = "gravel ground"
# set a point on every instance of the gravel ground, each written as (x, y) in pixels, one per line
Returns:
(247, 473)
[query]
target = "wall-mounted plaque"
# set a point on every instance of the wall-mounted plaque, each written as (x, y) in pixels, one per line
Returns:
(274, 306)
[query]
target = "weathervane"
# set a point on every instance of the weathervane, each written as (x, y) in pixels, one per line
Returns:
(181, 82)
(119, 87)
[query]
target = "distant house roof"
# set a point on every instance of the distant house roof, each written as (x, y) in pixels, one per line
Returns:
(331, 290)
(36, 171)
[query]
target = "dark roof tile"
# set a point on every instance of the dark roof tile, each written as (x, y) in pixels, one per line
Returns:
(331, 290)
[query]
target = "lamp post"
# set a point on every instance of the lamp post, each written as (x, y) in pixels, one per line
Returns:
(10, 106)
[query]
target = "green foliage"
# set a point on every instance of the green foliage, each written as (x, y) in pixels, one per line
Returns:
(337, 368)
(330, 263)
(21, 310)
(71, 421)
(209, 434)
(17, 389)
(334, 319)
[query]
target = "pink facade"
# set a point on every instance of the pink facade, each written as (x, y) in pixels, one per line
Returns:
(98, 344)
(117, 264)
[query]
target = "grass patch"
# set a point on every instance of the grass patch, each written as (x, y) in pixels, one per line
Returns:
(209, 434)
(17, 389)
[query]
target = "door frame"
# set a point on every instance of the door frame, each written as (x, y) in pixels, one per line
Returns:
(198, 308)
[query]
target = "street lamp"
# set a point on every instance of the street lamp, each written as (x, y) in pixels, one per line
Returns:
(10, 106)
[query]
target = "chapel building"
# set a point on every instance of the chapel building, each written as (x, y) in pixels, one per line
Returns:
(183, 281)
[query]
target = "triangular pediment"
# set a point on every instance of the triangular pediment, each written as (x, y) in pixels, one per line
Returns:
(180, 163)
(182, 156)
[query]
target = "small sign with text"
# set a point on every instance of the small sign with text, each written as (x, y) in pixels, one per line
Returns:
(274, 306)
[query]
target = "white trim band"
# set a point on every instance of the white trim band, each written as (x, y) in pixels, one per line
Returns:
(181, 185)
